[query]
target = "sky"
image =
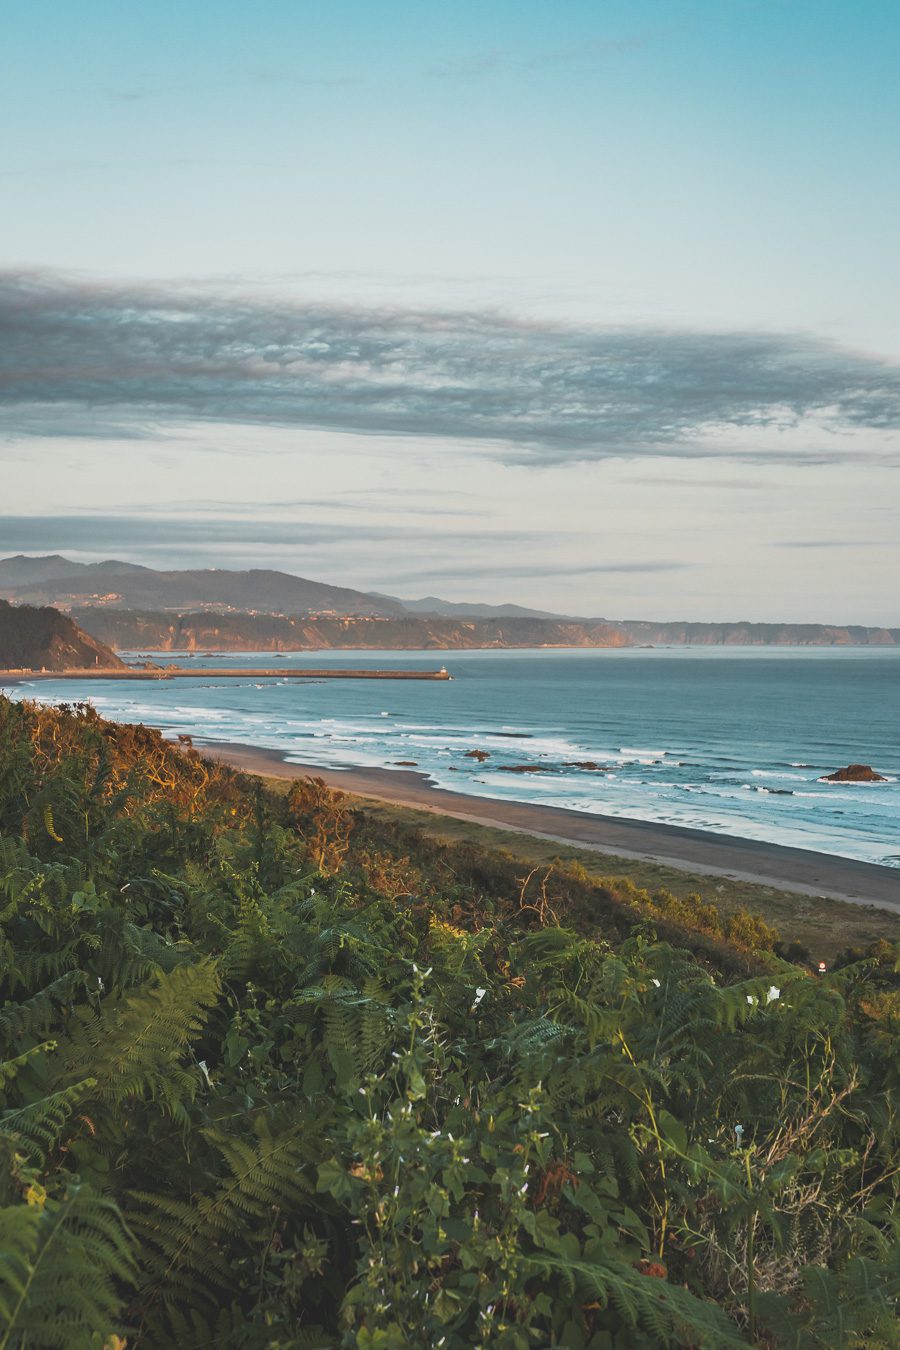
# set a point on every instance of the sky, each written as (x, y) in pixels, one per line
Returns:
(591, 305)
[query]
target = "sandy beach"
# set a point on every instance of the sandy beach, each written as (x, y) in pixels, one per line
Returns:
(791, 869)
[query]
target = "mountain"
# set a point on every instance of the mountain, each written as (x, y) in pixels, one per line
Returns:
(203, 603)
(58, 581)
(44, 639)
(141, 630)
(22, 571)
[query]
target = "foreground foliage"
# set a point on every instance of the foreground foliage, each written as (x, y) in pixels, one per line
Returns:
(266, 1081)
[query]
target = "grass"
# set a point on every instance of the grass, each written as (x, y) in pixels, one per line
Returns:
(823, 925)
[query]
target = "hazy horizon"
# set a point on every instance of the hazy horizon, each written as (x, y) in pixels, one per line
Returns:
(591, 311)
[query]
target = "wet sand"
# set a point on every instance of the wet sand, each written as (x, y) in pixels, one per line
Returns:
(789, 869)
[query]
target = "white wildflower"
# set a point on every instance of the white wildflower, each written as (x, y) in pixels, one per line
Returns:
(657, 983)
(479, 995)
(773, 994)
(201, 1065)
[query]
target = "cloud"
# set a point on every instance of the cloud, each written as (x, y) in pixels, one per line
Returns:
(153, 535)
(832, 543)
(453, 571)
(103, 360)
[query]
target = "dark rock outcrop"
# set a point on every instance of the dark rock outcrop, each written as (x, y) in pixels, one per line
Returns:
(43, 639)
(480, 755)
(854, 773)
(525, 768)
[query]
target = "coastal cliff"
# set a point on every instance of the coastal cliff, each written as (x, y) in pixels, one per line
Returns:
(138, 629)
(43, 639)
(130, 630)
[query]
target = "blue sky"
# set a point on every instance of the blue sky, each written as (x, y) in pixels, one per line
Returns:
(611, 259)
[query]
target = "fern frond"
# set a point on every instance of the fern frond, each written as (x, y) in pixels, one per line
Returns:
(190, 1240)
(37, 1127)
(9, 1068)
(35, 1015)
(668, 1313)
(132, 1046)
(59, 1270)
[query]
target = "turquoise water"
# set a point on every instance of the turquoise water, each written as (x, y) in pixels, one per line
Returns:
(723, 739)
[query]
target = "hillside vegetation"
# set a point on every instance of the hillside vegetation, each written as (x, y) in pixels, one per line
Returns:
(270, 1081)
(43, 639)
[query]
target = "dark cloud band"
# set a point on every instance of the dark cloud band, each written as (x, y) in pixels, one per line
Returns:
(104, 359)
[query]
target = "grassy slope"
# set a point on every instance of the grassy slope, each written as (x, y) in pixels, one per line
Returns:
(825, 927)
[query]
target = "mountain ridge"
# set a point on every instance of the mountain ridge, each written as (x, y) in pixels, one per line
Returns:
(257, 593)
(130, 586)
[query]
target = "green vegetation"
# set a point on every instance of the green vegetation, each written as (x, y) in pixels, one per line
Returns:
(267, 1080)
(824, 928)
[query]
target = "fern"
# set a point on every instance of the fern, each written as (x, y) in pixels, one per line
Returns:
(133, 1044)
(10, 1068)
(37, 1127)
(189, 1240)
(650, 1307)
(61, 1266)
(857, 1308)
(35, 1016)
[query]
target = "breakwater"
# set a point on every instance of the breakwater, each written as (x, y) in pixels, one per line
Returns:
(195, 673)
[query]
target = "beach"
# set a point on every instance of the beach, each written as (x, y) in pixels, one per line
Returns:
(801, 871)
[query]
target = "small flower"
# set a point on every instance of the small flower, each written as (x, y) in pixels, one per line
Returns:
(656, 982)
(751, 999)
(773, 994)
(479, 995)
(201, 1065)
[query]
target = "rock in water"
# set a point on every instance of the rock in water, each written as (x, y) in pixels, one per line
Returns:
(854, 773)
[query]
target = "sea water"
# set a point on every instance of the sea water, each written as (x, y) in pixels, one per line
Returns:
(730, 740)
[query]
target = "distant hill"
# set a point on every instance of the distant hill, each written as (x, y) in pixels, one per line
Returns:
(24, 571)
(58, 581)
(743, 634)
(164, 601)
(432, 605)
(44, 639)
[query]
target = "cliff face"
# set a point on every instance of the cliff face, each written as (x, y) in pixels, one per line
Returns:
(44, 639)
(758, 634)
(137, 630)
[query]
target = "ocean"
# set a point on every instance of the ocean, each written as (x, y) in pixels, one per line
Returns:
(732, 740)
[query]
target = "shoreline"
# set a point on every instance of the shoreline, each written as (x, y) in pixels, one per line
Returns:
(801, 871)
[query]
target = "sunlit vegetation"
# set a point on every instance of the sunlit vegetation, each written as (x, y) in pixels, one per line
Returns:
(272, 1078)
